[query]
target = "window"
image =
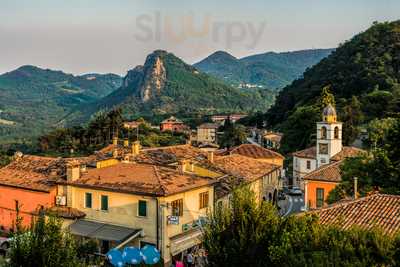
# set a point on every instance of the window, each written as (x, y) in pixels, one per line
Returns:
(323, 149)
(142, 208)
(177, 207)
(203, 200)
(336, 132)
(308, 164)
(88, 200)
(323, 132)
(320, 197)
(104, 203)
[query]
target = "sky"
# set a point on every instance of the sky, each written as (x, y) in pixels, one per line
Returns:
(113, 36)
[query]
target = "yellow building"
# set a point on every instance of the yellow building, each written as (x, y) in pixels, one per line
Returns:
(138, 204)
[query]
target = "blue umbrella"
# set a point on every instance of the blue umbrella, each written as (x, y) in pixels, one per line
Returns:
(132, 255)
(150, 254)
(115, 257)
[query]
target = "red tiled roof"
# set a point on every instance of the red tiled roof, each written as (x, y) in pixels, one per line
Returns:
(170, 154)
(256, 152)
(328, 173)
(143, 179)
(377, 210)
(309, 153)
(348, 152)
(243, 167)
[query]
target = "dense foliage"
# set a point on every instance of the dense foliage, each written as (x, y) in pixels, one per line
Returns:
(34, 99)
(181, 91)
(99, 133)
(379, 170)
(4, 158)
(233, 135)
(268, 70)
(248, 234)
(43, 244)
(362, 74)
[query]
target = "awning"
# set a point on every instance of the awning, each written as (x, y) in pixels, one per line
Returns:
(102, 231)
(185, 241)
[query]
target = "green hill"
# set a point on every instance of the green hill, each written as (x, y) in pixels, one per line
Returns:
(268, 70)
(33, 99)
(363, 73)
(166, 85)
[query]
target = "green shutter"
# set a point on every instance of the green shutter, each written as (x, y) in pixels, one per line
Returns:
(104, 202)
(88, 200)
(142, 208)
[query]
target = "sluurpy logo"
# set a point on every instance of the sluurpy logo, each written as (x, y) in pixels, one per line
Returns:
(179, 29)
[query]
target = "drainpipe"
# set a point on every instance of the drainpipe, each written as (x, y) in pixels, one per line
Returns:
(355, 188)
(157, 224)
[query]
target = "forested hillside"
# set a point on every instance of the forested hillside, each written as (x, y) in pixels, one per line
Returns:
(34, 99)
(363, 74)
(167, 85)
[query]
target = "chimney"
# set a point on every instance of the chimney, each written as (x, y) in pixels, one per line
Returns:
(115, 140)
(73, 172)
(83, 168)
(115, 153)
(210, 156)
(18, 155)
(136, 148)
(126, 143)
(182, 166)
(355, 187)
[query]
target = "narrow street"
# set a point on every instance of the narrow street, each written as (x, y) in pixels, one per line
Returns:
(292, 204)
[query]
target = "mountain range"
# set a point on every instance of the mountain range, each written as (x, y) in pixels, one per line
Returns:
(166, 85)
(269, 70)
(33, 99)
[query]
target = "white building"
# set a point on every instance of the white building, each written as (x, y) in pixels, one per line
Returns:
(328, 149)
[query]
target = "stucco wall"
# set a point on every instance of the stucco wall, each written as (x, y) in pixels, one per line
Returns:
(28, 202)
(311, 192)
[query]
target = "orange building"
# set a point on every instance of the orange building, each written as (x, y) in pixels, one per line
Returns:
(173, 124)
(27, 184)
(319, 183)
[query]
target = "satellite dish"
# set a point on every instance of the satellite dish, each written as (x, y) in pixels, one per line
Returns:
(132, 255)
(115, 257)
(150, 254)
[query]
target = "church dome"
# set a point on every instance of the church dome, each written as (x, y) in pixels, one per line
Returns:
(329, 114)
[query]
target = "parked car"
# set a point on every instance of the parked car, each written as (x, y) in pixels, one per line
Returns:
(296, 191)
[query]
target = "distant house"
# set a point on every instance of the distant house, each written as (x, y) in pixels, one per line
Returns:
(173, 124)
(232, 117)
(377, 210)
(272, 140)
(207, 133)
(132, 124)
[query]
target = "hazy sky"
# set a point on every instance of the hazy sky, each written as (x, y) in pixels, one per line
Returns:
(82, 36)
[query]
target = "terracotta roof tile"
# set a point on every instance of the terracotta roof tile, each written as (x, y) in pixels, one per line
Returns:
(141, 179)
(309, 153)
(377, 210)
(243, 167)
(170, 154)
(254, 151)
(328, 173)
(347, 152)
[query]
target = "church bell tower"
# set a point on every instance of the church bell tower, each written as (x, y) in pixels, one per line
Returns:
(329, 136)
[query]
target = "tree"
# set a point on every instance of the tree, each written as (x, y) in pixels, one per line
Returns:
(352, 118)
(234, 135)
(379, 170)
(326, 98)
(252, 234)
(43, 244)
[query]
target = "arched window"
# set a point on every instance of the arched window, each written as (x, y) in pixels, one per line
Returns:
(337, 132)
(323, 132)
